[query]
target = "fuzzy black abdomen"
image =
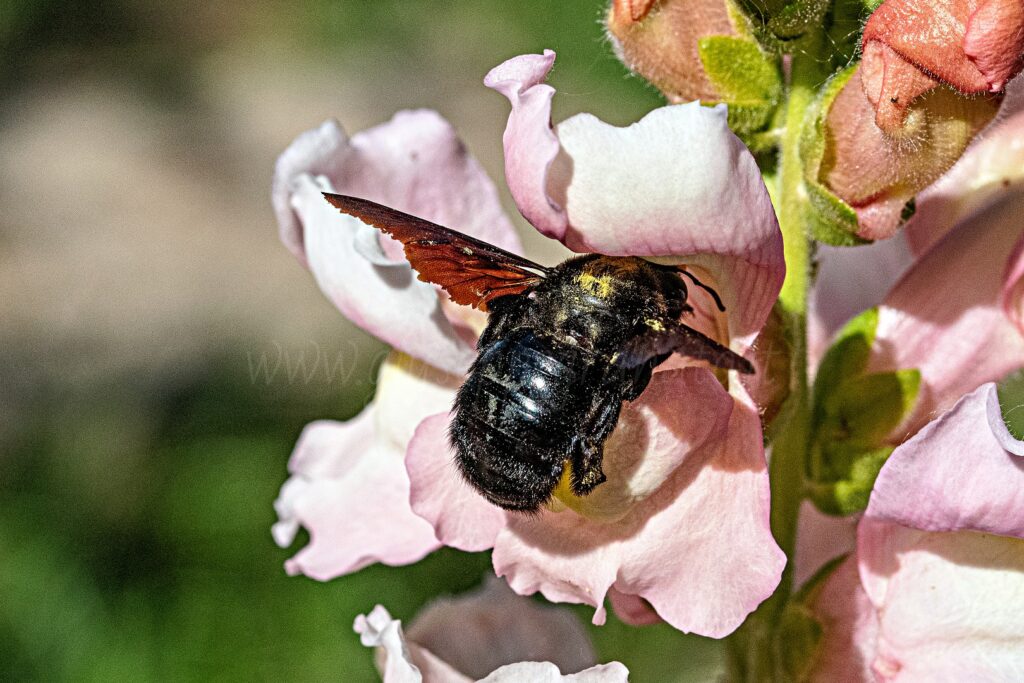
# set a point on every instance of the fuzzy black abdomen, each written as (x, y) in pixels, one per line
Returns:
(516, 417)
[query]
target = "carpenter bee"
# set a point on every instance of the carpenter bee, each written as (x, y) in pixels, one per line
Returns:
(563, 348)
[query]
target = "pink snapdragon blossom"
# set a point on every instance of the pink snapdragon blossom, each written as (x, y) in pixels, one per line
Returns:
(492, 635)
(681, 525)
(935, 590)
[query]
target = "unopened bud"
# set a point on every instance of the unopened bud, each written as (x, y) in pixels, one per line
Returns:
(870, 174)
(698, 50)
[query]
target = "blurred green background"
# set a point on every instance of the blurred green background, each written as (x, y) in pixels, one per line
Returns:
(142, 284)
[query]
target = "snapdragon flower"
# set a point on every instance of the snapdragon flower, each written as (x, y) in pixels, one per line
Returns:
(491, 635)
(933, 591)
(681, 525)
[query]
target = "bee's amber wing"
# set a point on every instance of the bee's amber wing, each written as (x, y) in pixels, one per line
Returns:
(680, 338)
(472, 272)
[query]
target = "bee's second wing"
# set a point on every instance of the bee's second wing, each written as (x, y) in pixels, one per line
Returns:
(472, 272)
(680, 338)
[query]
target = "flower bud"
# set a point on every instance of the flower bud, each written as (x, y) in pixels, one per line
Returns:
(698, 50)
(860, 174)
(913, 46)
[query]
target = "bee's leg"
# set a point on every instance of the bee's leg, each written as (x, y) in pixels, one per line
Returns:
(588, 450)
(641, 378)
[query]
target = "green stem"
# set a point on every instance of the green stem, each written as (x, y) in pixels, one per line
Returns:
(755, 658)
(792, 433)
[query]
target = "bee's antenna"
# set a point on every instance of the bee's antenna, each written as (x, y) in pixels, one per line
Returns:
(709, 290)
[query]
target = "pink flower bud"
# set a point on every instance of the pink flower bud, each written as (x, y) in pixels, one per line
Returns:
(660, 41)
(912, 46)
(877, 167)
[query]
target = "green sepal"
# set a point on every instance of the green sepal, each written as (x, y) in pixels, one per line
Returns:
(853, 414)
(797, 639)
(845, 25)
(865, 410)
(830, 219)
(848, 356)
(1011, 403)
(747, 78)
(787, 20)
(796, 643)
(849, 494)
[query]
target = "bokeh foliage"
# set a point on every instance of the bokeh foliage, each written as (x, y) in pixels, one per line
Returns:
(135, 504)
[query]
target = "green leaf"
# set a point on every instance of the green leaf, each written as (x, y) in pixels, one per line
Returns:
(747, 78)
(740, 70)
(853, 421)
(830, 219)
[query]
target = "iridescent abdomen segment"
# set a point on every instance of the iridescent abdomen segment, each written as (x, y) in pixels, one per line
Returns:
(517, 415)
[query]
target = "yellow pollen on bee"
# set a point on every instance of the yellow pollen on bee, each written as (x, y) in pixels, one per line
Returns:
(655, 325)
(563, 491)
(563, 497)
(598, 285)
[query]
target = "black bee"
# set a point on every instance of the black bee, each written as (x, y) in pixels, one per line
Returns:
(563, 348)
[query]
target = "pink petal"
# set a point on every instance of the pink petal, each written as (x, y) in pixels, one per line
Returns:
(892, 84)
(954, 474)
(461, 517)
(849, 628)
(492, 628)
(677, 550)
(402, 661)
(1012, 295)
(385, 300)
(944, 316)
(930, 35)
(677, 184)
(851, 280)
(693, 190)
(992, 165)
(545, 672)
(632, 609)
(819, 539)
(654, 437)
(481, 631)
(876, 173)
(948, 604)
(994, 40)
(408, 391)
(530, 146)
(349, 489)
(414, 163)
